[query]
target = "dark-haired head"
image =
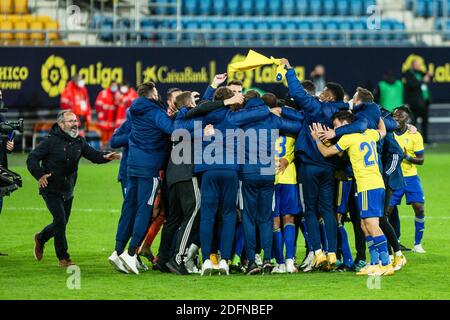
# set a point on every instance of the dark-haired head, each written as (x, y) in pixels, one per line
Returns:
(148, 90)
(342, 118)
(235, 86)
(332, 92)
(401, 115)
(309, 87)
(270, 100)
(362, 96)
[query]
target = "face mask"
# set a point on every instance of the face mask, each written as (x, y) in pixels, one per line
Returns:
(81, 83)
(123, 89)
(113, 88)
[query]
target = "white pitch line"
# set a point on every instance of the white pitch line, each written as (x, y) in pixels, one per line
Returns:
(118, 210)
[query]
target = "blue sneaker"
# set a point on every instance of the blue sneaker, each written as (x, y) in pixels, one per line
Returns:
(359, 265)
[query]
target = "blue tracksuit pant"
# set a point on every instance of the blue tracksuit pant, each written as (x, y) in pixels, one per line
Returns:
(258, 193)
(136, 211)
(218, 189)
(318, 195)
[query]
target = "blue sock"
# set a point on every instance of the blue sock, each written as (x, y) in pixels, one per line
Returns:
(289, 239)
(380, 243)
(323, 235)
(374, 256)
(305, 234)
(239, 240)
(278, 245)
(420, 228)
(345, 246)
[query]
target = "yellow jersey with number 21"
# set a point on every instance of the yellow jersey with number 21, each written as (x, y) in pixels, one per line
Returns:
(362, 151)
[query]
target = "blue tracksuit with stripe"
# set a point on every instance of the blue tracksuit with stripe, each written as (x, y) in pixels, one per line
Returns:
(315, 171)
(147, 154)
(120, 140)
(258, 177)
(219, 169)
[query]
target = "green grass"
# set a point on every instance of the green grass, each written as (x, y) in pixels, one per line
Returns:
(91, 234)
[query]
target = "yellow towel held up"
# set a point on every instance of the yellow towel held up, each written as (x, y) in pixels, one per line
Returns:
(255, 60)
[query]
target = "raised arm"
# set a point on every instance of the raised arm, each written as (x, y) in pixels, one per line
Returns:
(381, 128)
(120, 137)
(323, 149)
(292, 114)
(211, 89)
(163, 122)
(302, 99)
(204, 108)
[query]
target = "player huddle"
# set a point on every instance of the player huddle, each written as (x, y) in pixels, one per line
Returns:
(240, 176)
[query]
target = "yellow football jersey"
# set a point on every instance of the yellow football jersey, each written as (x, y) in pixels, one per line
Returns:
(285, 148)
(413, 143)
(362, 150)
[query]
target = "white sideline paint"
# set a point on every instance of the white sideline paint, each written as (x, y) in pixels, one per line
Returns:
(118, 210)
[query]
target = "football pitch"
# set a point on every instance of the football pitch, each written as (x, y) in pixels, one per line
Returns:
(91, 234)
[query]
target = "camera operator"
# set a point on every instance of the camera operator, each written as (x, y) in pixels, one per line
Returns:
(6, 146)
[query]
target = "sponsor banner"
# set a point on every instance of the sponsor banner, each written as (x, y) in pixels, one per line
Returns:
(35, 77)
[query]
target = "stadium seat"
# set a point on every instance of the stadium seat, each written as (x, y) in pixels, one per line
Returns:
(37, 27)
(368, 3)
(190, 25)
(106, 28)
(331, 26)
(409, 4)
(248, 26)
(274, 7)
(261, 7)
(219, 7)
(277, 25)
(43, 19)
(190, 7)
(21, 25)
(317, 25)
(302, 7)
(205, 7)
(441, 9)
(234, 26)
(288, 7)
(148, 27)
(424, 8)
(20, 6)
(358, 25)
(6, 25)
(52, 25)
(6, 6)
(168, 25)
(344, 26)
(357, 8)
(315, 8)
(219, 27)
(247, 7)
(386, 26)
(291, 26)
(233, 7)
(342, 7)
(262, 26)
(29, 18)
(399, 28)
(305, 27)
(207, 26)
(329, 7)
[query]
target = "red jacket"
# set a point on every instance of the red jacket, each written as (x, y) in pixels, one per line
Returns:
(123, 103)
(106, 109)
(76, 99)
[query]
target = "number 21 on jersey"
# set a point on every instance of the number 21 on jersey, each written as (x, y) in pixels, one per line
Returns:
(370, 153)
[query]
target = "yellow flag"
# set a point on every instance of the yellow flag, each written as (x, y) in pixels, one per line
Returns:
(255, 60)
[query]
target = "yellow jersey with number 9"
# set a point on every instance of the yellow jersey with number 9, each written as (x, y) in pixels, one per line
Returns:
(413, 143)
(285, 148)
(362, 150)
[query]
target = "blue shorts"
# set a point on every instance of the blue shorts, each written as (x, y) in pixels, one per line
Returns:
(413, 191)
(342, 196)
(287, 200)
(371, 203)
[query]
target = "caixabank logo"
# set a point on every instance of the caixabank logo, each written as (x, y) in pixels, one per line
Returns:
(54, 76)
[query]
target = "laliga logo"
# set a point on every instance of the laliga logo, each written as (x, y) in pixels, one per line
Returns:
(54, 75)
(441, 74)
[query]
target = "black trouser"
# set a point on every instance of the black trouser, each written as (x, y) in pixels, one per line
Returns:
(360, 238)
(184, 205)
(421, 112)
(60, 209)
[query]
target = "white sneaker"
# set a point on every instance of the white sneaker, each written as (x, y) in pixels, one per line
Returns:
(115, 261)
(279, 268)
(290, 266)
(130, 262)
(224, 268)
(207, 268)
(309, 258)
(258, 260)
(419, 249)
